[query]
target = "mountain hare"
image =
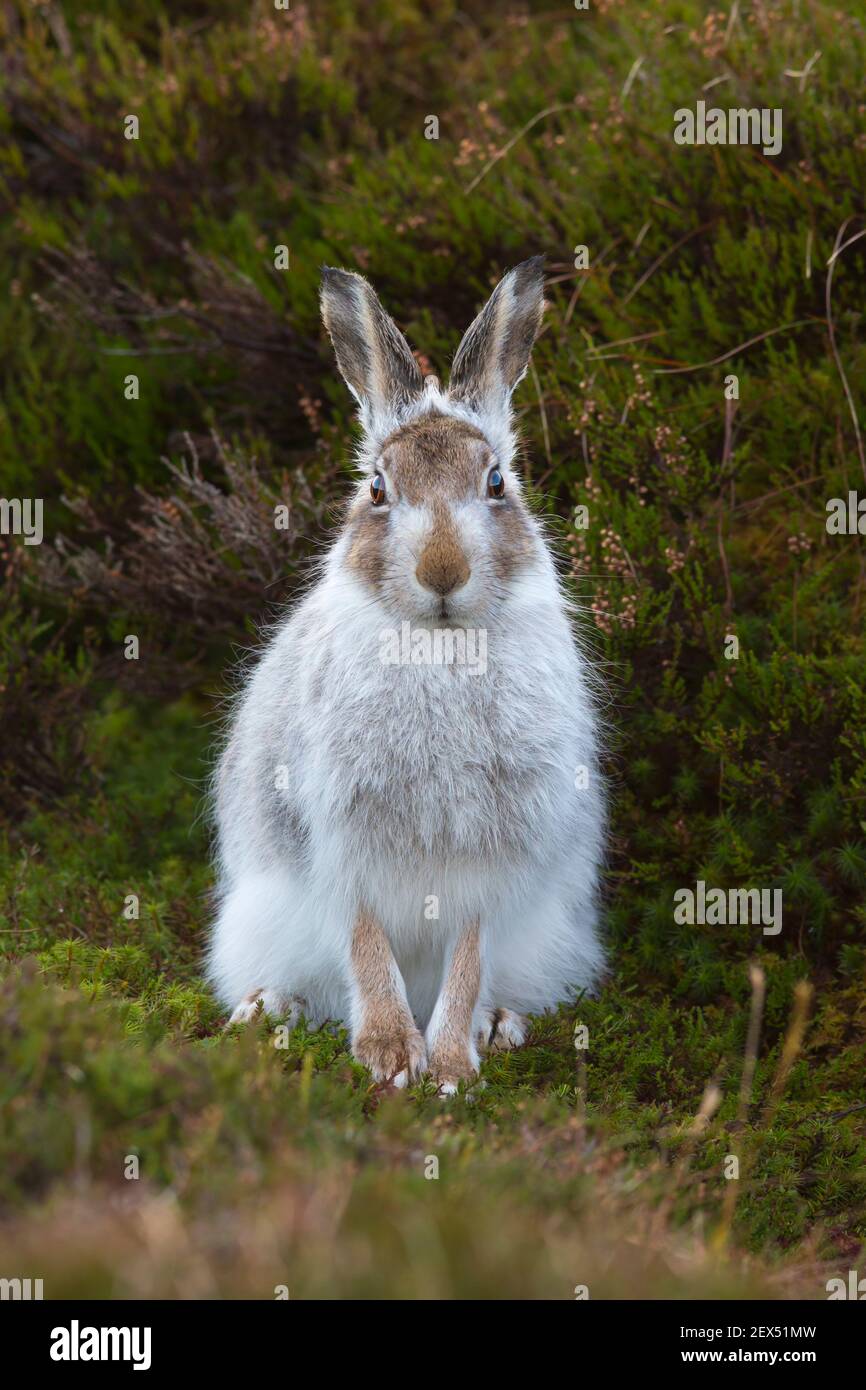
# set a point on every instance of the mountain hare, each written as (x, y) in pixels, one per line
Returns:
(410, 812)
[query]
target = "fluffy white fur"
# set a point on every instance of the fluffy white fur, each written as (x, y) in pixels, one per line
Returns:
(346, 781)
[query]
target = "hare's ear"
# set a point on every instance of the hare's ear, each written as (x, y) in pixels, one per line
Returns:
(494, 354)
(372, 354)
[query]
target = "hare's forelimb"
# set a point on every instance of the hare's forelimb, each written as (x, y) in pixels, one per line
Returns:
(451, 1049)
(384, 1035)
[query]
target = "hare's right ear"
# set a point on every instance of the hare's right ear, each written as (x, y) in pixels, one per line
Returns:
(372, 354)
(494, 354)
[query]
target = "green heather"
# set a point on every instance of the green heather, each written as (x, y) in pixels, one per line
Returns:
(262, 1165)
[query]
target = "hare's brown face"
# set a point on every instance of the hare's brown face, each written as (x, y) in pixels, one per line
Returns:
(440, 528)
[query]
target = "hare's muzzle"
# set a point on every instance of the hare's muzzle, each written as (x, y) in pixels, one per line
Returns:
(443, 567)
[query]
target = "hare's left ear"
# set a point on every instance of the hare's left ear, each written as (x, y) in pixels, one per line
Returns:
(494, 354)
(373, 356)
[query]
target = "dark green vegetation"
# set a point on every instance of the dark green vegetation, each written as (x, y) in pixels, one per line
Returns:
(263, 1166)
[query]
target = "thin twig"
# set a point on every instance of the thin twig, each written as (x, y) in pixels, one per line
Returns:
(730, 407)
(632, 74)
(741, 347)
(584, 277)
(759, 985)
(842, 1114)
(832, 332)
(500, 154)
(732, 19)
(849, 242)
(544, 429)
(777, 492)
(803, 992)
(663, 257)
(621, 342)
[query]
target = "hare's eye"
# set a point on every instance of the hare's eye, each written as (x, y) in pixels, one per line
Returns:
(377, 490)
(495, 483)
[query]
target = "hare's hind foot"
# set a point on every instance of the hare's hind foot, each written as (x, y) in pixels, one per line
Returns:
(500, 1030)
(286, 1007)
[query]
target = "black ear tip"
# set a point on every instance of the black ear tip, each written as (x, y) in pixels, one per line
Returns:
(340, 281)
(530, 272)
(526, 280)
(334, 274)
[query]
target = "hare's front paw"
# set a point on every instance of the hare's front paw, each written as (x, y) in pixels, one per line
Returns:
(449, 1065)
(392, 1048)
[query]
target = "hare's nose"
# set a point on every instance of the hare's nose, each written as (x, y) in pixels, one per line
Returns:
(442, 567)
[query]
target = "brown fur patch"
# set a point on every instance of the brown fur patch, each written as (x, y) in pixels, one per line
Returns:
(435, 455)
(442, 565)
(386, 1040)
(514, 543)
(450, 1056)
(366, 536)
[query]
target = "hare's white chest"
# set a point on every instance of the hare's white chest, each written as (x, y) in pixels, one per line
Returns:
(433, 763)
(428, 777)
